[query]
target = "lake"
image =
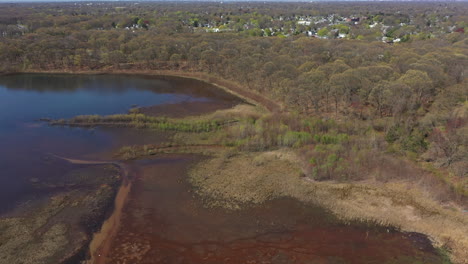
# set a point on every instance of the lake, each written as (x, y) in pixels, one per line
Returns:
(26, 142)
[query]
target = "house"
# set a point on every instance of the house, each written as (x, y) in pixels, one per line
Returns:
(303, 22)
(216, 30)
(387, 40)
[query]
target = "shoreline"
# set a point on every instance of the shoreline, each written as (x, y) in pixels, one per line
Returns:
(398, 203)
(100, 244)
(227, 86)
(45, 228)
(101, 241)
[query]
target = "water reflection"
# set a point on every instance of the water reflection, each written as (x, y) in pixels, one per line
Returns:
(25, 141)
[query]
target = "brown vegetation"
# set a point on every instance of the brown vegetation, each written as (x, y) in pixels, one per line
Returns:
(237, 179)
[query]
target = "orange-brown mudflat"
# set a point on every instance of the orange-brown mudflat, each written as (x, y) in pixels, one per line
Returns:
(163, 221)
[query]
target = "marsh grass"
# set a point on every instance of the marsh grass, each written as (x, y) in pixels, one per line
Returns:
(243, 179)
(141, 151)
(330, 150)
(144, 122)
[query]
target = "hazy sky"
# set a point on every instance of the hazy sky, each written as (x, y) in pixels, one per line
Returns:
(26, 1)
(229, 0)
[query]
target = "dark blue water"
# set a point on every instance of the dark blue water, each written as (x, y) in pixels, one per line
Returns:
(28, 97)
(26, 143)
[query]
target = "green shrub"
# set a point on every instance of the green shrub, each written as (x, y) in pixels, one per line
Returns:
(416, 142)
(296, 139)
(393, 134)
(331, 139)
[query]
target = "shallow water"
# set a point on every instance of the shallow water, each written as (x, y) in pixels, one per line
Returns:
(26, 142)
(165, 222)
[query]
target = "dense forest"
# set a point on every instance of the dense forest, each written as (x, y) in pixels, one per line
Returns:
(380, 80)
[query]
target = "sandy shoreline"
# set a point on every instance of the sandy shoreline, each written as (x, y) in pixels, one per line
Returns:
(101, 243)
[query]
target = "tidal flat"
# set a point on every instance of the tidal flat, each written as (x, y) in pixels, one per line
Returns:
(55, 225)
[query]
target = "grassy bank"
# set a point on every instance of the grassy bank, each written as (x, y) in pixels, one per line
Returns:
(137, 120)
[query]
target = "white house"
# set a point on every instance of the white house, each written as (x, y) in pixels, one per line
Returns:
(303, 22)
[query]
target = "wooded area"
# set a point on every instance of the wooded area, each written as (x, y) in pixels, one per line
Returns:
(376, 77)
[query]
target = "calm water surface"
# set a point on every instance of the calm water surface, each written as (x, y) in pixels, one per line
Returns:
(25, 142)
